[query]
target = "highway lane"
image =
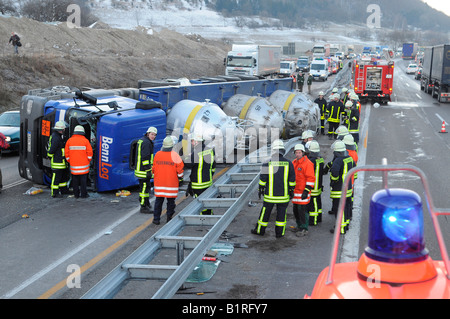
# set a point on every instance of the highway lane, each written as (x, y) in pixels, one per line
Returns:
(406, 131)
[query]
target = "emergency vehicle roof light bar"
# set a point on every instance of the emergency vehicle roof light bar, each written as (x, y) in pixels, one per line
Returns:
(434, 212)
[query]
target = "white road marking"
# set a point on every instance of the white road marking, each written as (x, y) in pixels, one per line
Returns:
(70, 254)
(350, 248)
(440, 117)
(418, 96)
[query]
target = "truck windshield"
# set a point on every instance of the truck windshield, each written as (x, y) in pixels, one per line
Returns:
(302, 62)
(318, 50)
(317, 66)
(284, 65)
(240, 61)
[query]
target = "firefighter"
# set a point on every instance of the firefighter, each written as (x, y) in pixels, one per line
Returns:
(322, 102)
(334, 111)
(352, 120)
(202, 163)
(276, 184)
(79, 153)
(344, 95)
(143, 170)
(309, 82)
(168, 175)
(300, 81)
(55, 151)
(307, 136)
(304, 183)
(351, 149)
(338, 169)
(355, 99)
(315, 204)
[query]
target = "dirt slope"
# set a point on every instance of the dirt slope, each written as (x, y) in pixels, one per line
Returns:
(99, 57)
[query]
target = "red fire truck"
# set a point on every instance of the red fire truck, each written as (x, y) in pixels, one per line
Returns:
(373, 79)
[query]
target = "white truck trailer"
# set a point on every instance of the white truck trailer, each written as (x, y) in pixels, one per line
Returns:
(254, 60)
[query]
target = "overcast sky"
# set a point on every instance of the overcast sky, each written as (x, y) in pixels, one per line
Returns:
(442, 5)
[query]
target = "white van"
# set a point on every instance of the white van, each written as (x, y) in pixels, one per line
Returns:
(319, 70)
(287, 68)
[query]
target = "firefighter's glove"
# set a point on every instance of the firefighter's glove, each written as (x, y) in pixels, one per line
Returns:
(326, 169)
(180, 181)
(305, 194)
(291, 192)
(261, 190)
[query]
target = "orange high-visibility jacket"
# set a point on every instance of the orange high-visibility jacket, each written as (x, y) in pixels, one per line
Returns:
(78, 152)
(304, 179)
(168, 170)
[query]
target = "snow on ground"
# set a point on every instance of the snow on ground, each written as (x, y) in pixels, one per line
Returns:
(211, 25)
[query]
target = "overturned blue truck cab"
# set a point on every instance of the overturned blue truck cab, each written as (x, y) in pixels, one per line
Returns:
(113, 121)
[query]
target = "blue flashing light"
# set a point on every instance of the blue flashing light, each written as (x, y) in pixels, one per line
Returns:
(396, 227)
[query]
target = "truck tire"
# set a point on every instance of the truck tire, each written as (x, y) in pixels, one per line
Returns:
(148, 105)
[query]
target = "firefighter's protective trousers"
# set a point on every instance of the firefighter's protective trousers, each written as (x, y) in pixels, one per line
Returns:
(60, 175)
(277, 177)
(144, 162)
(280, 223)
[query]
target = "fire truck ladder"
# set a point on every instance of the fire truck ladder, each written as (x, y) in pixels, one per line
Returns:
(242, 178)
(360, 78)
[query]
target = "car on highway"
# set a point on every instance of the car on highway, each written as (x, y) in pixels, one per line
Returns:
(418, 74)
(10, 127)
(412, 68)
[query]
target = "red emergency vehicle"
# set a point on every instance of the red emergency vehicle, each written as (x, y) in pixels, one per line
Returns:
(395, 263)
(373, 79)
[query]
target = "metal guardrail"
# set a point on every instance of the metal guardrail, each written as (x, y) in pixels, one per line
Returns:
(241, 179)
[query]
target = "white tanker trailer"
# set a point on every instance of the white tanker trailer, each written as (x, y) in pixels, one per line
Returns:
(219, 130)
(300, 113)
(267, 122)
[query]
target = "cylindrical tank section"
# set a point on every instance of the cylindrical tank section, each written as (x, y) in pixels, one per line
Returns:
(262, 121)
(299, 112)
(208, 119)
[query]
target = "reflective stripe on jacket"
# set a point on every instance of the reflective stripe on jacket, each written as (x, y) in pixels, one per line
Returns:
(339, 169)
(277, 177)
(318, 163)
(56, 151)
(79, 153)
(322, 106)
(334, 110)
(203, 166)
(144, 157)
(168, 170)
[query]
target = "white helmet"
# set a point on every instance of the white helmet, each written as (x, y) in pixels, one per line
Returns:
(348, 104)
(196, 137)
(343, 90)
(278, 145)
(60, 125)
(342, 130)
(152, 129)
(348, 140)
(314, 146)
(307, 134)
(167, 142)
(79, 129)
(321, 93)
(299, 147)
(338, 146)
(335, 90)
(174, 139)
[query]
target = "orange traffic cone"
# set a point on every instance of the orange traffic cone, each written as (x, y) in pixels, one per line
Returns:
(443, 128)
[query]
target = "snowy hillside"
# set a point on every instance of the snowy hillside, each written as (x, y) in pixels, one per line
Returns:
(185, 18)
